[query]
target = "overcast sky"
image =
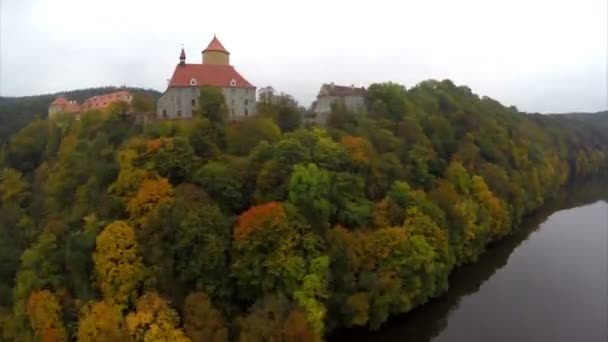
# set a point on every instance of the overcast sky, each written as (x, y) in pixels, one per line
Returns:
(539, 55)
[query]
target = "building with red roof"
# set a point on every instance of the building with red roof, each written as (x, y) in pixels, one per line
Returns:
(180, 100)
(62, 105)
(103, 101)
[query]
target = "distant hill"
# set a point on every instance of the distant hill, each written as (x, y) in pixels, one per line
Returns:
(16, 112)
(596, 122)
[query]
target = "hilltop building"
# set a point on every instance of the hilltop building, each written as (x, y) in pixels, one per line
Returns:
(181, 98)
(62, 105)
(352, 97)
(102, 101)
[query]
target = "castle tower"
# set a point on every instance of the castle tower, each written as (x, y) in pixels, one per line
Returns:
(215, 53)
(182, 57)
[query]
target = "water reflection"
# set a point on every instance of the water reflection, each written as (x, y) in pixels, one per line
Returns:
(429, 321)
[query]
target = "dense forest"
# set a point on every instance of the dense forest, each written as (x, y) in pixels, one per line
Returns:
(267, 229)
(16, 112)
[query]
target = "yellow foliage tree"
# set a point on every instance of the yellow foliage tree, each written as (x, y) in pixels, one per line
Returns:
(117, 264)
(154, 321)
(12, 186)
(100, 322)
(151, 194)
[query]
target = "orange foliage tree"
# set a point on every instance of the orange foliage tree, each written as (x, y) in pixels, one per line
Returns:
(359, 149)
(44, 311)
(151, 194)
(263, 216)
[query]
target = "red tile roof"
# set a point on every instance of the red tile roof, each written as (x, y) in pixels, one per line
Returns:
(101, 101)
(215, 45)
(60, 101)
(207, 74)
(64, 105)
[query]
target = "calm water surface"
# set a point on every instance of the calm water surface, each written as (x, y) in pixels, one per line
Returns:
(547, 282)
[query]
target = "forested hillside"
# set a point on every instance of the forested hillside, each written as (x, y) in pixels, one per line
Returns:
(16, 112)
(264, 230)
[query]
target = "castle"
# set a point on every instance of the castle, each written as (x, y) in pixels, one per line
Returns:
(352, 97)
(181, 98)
(62, 105)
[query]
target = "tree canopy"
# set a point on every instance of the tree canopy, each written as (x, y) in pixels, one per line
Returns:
(267, 228)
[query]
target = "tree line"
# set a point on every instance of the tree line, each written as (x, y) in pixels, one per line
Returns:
(267, 229)
(17, 112)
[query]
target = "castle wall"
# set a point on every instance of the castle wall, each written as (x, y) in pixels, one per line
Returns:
(354, 103)
(180, 103)
(240, 101)
(177, 103)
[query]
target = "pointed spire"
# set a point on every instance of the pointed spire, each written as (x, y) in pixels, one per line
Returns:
(182, 56)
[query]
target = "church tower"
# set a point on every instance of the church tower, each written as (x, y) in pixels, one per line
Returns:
(215, 53)
(182, 58)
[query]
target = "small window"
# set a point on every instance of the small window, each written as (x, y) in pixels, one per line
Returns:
(193, 102)
(246, 112)
(246, 102)
(232, 82)
(193, 81)
(179, 113)
(164, 113)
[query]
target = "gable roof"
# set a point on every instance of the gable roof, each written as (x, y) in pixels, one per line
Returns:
(215, 45)
(338, 90)
(60, 101)
(207, 74)
(100, 101)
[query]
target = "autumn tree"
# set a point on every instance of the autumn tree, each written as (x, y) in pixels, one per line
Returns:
(275, 252)
(101, 321)
(274, 318)
(118, 266)
(151, 194)
(13, 188)
(154, 320)
(44, 311)
(202, 321)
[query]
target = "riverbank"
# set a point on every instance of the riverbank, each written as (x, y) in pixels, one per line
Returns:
(442, 319)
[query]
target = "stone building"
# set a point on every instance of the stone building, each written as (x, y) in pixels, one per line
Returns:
(352, 97)
(62, 105)
(181, 98)
(102, 101)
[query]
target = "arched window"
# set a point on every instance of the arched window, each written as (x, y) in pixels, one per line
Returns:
(193, 81)
(164, 113)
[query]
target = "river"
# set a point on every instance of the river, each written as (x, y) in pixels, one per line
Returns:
(546, 282)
